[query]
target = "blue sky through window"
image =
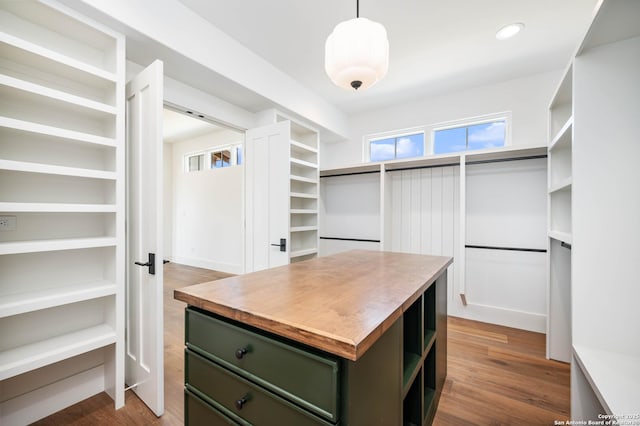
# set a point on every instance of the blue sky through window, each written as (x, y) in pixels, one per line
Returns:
(477, 136)
(397, 147)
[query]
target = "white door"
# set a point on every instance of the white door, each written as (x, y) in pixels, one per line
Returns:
(267, 196)
(144, 368)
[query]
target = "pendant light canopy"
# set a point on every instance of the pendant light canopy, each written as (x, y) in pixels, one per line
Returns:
(357, 53)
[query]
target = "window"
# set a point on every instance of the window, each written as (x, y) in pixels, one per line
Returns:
(481, 132)
(239, 155)
(215, 158)
(467, 138)
(220, 159)
(405, 146)
(195, 162)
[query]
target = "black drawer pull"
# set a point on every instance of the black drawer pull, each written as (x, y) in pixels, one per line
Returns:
(240, 353)
(240, 402)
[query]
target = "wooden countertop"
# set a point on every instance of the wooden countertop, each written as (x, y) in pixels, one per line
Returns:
(340, 304)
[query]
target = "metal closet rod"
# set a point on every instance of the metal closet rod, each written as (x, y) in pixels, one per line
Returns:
(565, 245)
(351, 174)
(534, 250)
(360, 240)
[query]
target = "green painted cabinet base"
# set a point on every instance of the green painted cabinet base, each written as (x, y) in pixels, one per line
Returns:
(236, 374)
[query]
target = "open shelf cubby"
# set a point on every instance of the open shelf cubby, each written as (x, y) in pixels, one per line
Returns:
(429, 381)
(429, 317)
(411, 407)
(412, 342)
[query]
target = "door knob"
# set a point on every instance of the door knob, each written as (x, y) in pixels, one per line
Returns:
(151, 263)
(282, 245)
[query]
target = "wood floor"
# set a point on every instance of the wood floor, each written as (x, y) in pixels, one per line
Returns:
(496, 375)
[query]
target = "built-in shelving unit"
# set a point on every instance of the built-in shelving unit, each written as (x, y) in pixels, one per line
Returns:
(605, 325)
(559, 220)
(423, 377)
(303, 191)
(62, 186)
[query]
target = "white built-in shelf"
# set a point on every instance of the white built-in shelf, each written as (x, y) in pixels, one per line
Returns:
(14, 304)
(303, 163)
(432, 160)
(13, 84)
(304, 252)
(302, 195)
(505, 153)
(57, 208)
(303, 228)
(27, 126)
(614, 21)
(24, 52)
(303, 211)
(303, 179)
(563, 138)
(614, 378)
(454, 159)
(564, 185)
(302, 147)
(561, 236)
(353, 169)
(50, 169)
(29, 357)
(35, 246)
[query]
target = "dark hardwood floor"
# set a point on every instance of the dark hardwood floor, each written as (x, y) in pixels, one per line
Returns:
(496, 375)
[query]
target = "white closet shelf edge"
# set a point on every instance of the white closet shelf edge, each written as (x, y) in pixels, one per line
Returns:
(35, 355)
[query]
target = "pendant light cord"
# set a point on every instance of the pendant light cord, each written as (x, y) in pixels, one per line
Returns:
(357, 8)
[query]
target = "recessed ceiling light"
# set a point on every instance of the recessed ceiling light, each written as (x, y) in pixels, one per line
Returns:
(509, 31)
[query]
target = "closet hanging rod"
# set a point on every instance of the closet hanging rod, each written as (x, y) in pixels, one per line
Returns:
(433, 166)
(359, 240)
(565, 245)
(502, 160)
(506, 248)
(350, 174)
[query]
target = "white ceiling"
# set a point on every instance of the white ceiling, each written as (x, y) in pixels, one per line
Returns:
(435, 46)
(178, 126)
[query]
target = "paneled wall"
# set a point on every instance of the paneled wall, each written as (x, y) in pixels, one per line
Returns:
(422, 214)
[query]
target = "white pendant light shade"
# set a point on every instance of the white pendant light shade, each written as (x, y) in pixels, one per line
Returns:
(357, 54)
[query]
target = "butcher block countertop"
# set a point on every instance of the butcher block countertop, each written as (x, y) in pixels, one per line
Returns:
(340, 304)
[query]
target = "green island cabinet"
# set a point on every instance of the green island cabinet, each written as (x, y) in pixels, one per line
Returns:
(358, 338)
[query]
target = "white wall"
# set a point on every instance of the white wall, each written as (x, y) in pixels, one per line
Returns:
(527, 98)
(207, 210)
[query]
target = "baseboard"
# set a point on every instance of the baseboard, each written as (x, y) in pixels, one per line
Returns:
(230, 268)
(500, 316)
(39, 403)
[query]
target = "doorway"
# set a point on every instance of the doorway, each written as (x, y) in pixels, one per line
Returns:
(203, 182)
(203, 192)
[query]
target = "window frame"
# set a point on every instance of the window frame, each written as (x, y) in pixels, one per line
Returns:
(429, 134)
(469, 122)
(396, 135)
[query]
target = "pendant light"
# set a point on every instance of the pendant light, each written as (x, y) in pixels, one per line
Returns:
(356, 54)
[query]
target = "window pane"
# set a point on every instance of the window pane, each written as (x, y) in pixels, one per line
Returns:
(383, 149)
(239, 155)
(450, 140)
(220, 159)
(195, 162)
(410, 146)
(487, 135)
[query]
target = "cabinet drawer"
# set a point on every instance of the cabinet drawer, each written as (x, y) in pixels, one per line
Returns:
(198, 412)
(239, 397)
(308, 379)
